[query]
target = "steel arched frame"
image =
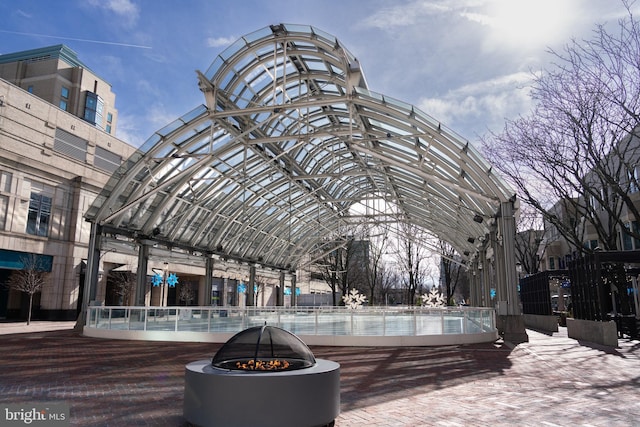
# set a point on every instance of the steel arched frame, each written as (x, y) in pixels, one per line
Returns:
(290, 139)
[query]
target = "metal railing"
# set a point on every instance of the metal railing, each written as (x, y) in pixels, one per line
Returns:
(367, 321)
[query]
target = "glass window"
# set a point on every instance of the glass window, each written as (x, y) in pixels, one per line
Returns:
(30, 89)
(93, 109)
(108, 129)
(63, 105)
(109, 118)
(4, 205)
(636, 229)
(633, 180)
(64, 93)
(552, 263)
(5, 181)
(39, 215)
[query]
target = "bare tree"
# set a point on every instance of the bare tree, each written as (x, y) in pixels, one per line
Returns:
(580, 144)
(30, 279)
(411, 257)
(452, 270)
(333, 268)
(387, 280)
(529, 239)
(123, 283)
(375, 271)
(186, 293)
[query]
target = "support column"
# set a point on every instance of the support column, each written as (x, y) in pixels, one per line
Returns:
(251, 294)
(91, 276)
(280, 296)
(483, 266)
(225, 284)
(293, 289)
(208, 280)
(141, 277)
(511, 319)
(475, 287)
(497, 250)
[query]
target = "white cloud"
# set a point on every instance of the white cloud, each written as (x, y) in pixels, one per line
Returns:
(483, 105)
(220, 41)
(125, 9)
(23, 14)
(136, 129)
(403, 15)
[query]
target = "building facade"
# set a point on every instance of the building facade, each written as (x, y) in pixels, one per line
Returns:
(52, 166)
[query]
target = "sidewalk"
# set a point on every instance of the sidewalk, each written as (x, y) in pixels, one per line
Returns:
(551, 380)
(7, 327)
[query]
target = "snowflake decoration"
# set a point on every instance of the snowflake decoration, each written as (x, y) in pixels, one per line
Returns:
(172, 280)
(433, 299)
(354, 299)
(156, 280)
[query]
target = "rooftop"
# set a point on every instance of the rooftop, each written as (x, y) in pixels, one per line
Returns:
(59, 51)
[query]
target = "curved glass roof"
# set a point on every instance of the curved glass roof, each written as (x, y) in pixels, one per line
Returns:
(289, 140)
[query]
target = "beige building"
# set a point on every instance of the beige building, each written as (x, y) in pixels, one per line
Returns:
(56, 75)
(52, 166)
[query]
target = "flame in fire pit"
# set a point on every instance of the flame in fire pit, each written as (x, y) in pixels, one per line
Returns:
(262, 365)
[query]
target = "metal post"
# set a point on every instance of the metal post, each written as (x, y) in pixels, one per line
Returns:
(280, 296)
(293, 290)
(141, 277)
(91, 276)
(208, 280)
(251, 295)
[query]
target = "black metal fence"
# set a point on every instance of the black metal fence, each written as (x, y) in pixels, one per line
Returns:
(602, 288)
(535, 293)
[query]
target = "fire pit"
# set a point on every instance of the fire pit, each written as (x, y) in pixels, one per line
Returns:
(263, 376)
(264, 348)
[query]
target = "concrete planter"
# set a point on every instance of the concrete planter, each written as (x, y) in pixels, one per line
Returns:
(604, 333)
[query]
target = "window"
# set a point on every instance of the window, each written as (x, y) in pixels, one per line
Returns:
(5, 181)
(4, 205)
(30, 88)
(93, 108)
(109, 122)
(39, 215)
(552, 263)
(64, 98)
(633, 180)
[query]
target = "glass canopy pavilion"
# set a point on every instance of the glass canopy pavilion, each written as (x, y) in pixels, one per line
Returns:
(289, 140)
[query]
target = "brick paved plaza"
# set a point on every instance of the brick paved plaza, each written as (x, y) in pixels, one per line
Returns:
(551, 380)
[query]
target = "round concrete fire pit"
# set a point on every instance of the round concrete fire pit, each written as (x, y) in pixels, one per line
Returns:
(266, 377)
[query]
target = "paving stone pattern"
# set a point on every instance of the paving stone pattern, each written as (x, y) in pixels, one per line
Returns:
(550, 381)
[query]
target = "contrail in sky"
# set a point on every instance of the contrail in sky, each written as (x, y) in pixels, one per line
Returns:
(78, 40)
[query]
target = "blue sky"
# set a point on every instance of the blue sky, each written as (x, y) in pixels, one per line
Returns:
(464, 62)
